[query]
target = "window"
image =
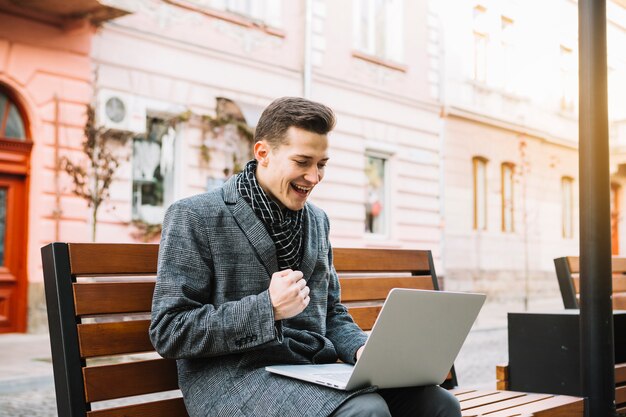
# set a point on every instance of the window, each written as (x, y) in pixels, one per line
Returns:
(153, 158)
(378, 28)
(375, 207)
(567, 203)
(480, 43)
(480, 193)
(507, 45)
(265, 11)
(11, 122)
(508, 170)
(568, 78)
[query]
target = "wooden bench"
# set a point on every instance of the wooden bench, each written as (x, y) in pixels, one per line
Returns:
(99, 298)
(568, 274)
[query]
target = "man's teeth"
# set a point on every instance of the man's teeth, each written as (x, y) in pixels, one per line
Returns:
(301, 189)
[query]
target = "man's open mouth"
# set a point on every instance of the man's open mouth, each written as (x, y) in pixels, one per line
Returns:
(303, 191)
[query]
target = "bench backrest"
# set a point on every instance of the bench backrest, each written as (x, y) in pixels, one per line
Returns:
(568, 274)
(99, 298)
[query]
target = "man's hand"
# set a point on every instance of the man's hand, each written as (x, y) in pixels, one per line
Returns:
(288, 293)
(359, 352)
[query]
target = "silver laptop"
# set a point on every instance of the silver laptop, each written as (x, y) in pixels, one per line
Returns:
(414, 342)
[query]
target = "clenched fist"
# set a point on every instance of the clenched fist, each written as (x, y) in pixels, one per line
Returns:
(288, 293)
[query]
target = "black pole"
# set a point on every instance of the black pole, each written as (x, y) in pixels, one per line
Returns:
(596, 314)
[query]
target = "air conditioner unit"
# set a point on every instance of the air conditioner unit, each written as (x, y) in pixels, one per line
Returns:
(120, 111)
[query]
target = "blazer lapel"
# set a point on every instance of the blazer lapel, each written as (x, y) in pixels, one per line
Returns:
(251, 226)
(310, 243)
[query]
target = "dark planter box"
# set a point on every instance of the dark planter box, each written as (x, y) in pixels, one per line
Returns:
(544, 350)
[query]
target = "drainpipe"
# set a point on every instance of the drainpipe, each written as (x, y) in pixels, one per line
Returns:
(596, 315)
(442, 140)
(306, 65)
(57, 168)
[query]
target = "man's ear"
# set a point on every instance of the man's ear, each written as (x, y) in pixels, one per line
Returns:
(261, 152)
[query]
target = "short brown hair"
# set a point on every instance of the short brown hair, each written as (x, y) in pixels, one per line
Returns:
(286, 112)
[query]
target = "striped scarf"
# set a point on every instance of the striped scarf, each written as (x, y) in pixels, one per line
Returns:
(283, 225)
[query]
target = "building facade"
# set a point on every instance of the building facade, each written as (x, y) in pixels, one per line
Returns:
(457, 127)
(510, 140)
(185, 82)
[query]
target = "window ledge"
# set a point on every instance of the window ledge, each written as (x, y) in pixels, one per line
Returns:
(229, 17)
(484, 87)
(379, 61)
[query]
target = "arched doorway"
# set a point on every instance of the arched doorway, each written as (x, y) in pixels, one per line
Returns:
(15, 147)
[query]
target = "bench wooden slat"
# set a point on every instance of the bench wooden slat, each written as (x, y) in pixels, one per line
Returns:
(106, 382)
(377, 288)
(113, 258)
(173, 407)
(133, 297)
(619, 301)
(498, 397)
(112, 297)
(471, 395)
(364, 316)
(555, 406)
(504, 400)
(384, 260)
(620, 373)
(618, 285)
(103, 339)
(620, 395)
(618, 264)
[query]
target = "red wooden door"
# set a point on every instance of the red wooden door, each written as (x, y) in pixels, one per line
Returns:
(13, 283)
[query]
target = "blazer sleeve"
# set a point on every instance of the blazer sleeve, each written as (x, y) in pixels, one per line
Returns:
(184, 324)
(341, 329)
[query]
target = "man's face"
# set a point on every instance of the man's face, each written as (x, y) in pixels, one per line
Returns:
(289, 172)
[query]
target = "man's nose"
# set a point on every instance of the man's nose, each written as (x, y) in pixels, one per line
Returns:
(313, 175)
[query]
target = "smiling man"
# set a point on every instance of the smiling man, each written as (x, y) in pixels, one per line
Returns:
(245, 280)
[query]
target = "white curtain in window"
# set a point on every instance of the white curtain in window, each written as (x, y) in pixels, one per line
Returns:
(273, 13)
(147, 156)
(378, 29)
(395, 30)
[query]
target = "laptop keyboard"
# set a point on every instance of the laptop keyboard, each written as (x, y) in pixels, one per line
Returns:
(336, 376)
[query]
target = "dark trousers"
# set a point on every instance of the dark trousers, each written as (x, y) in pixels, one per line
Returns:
(430, 401)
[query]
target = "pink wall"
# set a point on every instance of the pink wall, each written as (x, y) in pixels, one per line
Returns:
(40, 62)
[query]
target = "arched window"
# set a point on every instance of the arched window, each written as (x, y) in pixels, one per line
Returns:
(12, 124)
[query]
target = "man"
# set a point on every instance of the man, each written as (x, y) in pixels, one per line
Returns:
(246, 280)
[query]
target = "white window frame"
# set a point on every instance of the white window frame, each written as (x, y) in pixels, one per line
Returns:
(265, 11)
(567, 66)
(367, 26)
(480, 43)
(385, 214)
(154, 214)
(508, 46)
(567, 207)
(479, 175)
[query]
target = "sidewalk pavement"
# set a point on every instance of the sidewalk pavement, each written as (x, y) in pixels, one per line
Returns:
(26, 382)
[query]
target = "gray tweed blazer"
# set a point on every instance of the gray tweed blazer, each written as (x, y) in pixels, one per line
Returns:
(211, 311)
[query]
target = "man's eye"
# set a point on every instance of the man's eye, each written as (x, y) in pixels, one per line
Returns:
(301, 163)
(321, 166)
